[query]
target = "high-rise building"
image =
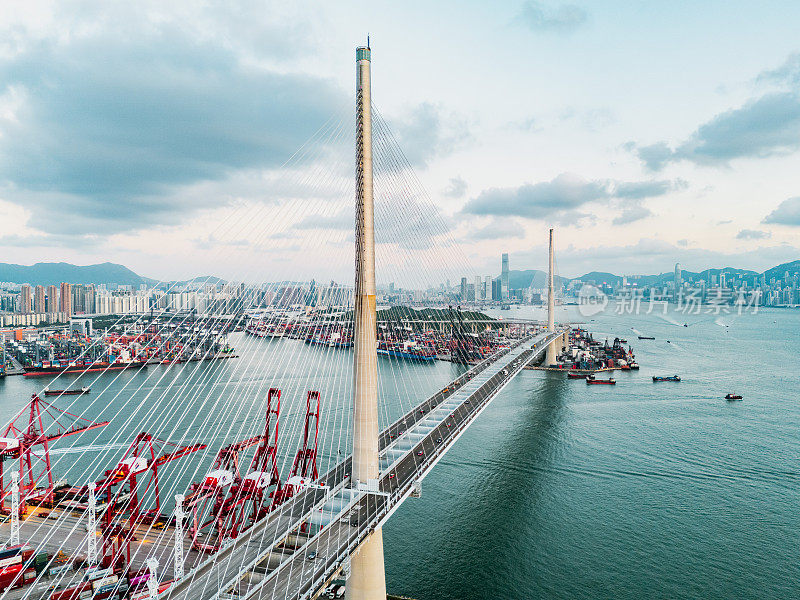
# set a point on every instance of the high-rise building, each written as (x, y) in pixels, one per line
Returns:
(89, 303)
(478, 289)
(38, 300)
(83, 297)
(504, 278)
(65, 303)
(678, 281)
(52, 299)
(487, 287)
(25, 299)
(464, 290)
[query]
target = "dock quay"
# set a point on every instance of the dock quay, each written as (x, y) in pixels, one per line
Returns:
(585, 355)
(53, 352)
(564, 370)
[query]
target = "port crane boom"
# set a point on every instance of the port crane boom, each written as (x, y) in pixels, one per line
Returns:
(30, 443)
(121, 488)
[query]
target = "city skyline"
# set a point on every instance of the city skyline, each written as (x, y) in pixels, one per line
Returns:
(23, 304)
(702, 184)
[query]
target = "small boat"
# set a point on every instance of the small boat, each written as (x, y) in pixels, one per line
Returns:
(593, 381)
(80, 392)
(646, 337)
(666, 378)
(634, 366)
(623, 341)
(732, 397)
(576, 375)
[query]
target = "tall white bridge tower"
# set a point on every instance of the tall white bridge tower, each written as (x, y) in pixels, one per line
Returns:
(367, 580)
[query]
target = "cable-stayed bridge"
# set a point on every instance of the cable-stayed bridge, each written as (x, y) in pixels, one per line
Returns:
(239, 527)
(257, 565)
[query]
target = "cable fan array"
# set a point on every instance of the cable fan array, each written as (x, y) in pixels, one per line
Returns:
(200, 451)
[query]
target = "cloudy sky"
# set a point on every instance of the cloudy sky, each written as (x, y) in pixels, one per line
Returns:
(188, 138)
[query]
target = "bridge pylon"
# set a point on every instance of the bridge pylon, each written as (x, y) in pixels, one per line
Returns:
(367, 580)
(552, 350)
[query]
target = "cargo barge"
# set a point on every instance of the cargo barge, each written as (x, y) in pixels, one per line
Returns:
(80, 392)
(52, 370)
(408, 354)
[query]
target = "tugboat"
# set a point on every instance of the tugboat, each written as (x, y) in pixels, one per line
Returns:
(593, 381)
(731, 397)
(666, 378)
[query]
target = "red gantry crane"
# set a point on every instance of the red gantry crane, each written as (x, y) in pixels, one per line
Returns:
(205, 499)
(304, 468)
(120, 487)
(30, 443)
(246, 500)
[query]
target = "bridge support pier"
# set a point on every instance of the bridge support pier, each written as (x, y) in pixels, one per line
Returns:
(552, 349)
(367, 579)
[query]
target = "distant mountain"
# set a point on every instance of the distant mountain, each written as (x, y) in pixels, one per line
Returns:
(518, 280)
(650, 280)
(598, 277)
(55, 273)
(196, 281)
(779, 271)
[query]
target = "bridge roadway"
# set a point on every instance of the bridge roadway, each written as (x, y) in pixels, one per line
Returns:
(270, 561)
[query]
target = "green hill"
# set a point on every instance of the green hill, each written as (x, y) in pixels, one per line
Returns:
(55, 273)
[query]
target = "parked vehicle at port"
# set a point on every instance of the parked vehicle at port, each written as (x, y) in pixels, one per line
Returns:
(666, 378)
(15, 567)
(336, 591)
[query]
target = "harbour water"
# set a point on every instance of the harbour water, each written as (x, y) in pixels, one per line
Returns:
(559, 489)
(640, 490)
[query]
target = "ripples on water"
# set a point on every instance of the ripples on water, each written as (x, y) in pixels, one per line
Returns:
(642, 490)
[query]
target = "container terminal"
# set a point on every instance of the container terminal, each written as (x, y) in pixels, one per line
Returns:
(93, 540)
(420, 336)
(96, 540)
(586, 355)
(49, 352)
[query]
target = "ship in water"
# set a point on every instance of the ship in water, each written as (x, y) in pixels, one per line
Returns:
(45, 369)
(266, 330)
(80, 392)
(407, 351)
(339, 338)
